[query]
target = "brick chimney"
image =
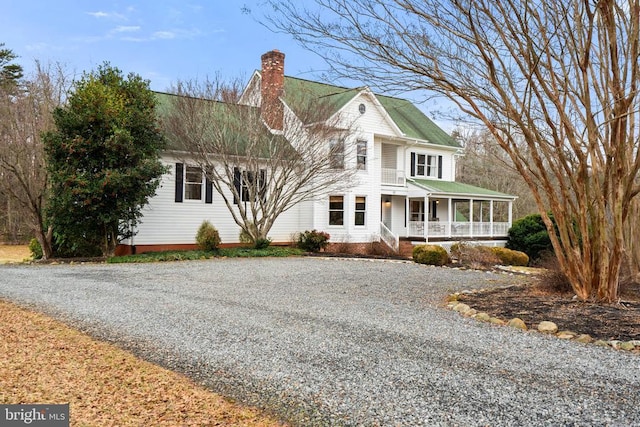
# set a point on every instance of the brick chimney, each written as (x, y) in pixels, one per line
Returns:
(272, 89)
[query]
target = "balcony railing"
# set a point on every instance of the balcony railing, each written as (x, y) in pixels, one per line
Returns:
(458, 229)
(393, 177)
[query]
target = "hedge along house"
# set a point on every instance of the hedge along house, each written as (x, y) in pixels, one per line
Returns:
(404, 186)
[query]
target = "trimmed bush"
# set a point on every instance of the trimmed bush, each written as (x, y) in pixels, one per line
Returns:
(511, 257)
(35, 249)
(261, 243)
(207, 238)
(430, 255)
(529, 235)
(313, 241)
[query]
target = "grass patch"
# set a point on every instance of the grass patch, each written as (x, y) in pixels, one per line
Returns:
(272, 251)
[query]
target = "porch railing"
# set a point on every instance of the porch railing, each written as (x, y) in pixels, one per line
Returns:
(389, 238)
(393, 177)
(458, 229)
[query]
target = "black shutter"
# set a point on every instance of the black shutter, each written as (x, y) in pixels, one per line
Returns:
(413, 164)
(263, 184)
(439, 167)
(179, 181)
(208, 192)
(237, 182)
(248, 187)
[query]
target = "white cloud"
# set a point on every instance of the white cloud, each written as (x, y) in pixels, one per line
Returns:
(164, 35)
(126, 29)
(107, 15)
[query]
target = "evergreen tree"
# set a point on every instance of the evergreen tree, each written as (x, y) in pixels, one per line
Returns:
(10, 74)
(103, 161)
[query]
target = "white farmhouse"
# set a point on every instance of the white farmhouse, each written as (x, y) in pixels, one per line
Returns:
(405, 189)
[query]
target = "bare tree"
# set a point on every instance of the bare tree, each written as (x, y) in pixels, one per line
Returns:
(259, 172)
(24, 115)
(486, 165)
(559, 77)
(632, 243)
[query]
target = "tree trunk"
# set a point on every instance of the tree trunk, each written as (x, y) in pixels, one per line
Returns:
(45, 240)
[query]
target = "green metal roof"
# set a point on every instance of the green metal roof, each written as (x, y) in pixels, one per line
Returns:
(337, 97)
(409, 119)
(413, 123)
(456, 188)
(234, 118)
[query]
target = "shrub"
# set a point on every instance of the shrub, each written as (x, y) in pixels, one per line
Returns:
(207, 238)
(313, 241)
(261, 243)
(473, 256)
(245, 238)
(35, 249)
(552, 281)
(511, 257)
(529, 235)
(430, 255)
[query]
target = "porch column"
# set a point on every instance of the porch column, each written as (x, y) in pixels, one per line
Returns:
(425, 212)
(406, 216)
(510, 212)
(451, 216)
(491, 218)
(470, 217)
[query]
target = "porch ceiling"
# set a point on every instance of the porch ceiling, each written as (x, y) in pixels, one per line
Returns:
(451, 189)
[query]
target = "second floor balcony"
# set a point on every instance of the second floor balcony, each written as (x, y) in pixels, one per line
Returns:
(395, 177)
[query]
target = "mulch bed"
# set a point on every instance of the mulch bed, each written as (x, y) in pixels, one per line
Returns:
(533, 305)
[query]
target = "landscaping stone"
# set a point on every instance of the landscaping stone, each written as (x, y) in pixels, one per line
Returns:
(517, 323)
(483, 317)
(627, 346)
(547, 327)
(584, 338)
(601, 343)
(496, 321)
(566, 335)
(614, 343)
(470, 312)
(461, 308)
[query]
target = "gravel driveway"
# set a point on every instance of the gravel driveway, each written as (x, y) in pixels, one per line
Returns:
(338, 342)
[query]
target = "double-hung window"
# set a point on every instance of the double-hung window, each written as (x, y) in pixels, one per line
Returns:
(361, 155)
(426, 165)
(420, 164)
(432, 166)
(336, 210)
(336, 154)
(361, 210)
(189, 181)
(249, 185)
(193, 183)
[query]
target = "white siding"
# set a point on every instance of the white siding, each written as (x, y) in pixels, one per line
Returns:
(168, 222)
(374, 120)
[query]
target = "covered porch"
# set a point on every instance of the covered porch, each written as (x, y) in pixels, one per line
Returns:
(447, 211)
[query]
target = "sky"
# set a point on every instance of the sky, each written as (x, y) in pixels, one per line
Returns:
(163, 41)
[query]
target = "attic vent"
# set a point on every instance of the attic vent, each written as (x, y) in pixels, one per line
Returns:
(362, 108)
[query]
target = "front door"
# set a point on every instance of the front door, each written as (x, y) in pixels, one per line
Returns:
(386, 212)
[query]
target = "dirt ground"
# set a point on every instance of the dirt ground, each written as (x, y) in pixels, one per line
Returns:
(533, 304)
(13, 253)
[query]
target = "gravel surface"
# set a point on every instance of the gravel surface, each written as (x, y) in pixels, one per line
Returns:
(338, 342)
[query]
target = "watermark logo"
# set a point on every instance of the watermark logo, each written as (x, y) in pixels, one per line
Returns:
(34, 415)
